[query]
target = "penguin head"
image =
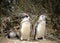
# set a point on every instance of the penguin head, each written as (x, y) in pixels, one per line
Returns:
(42, 17)
(11, 34)
(25, 16)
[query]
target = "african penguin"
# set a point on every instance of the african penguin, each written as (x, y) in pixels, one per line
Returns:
(12, 35)
(25, 27)
(40, 27)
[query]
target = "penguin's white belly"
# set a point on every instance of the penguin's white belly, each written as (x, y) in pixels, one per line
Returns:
(25, 30)
(40, 30)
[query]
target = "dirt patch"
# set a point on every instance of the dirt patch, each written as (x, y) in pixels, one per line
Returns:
(4, 40)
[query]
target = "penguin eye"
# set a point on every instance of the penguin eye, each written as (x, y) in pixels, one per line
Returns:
(24, 16)
(43, 16)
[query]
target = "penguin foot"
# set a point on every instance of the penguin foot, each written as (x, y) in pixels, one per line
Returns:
(40, 38)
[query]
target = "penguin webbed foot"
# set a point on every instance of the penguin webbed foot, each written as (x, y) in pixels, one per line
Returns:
(41, 38)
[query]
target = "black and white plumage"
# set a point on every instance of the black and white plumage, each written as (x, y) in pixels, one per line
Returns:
(12, 35)
(40, 27)
(25, 27)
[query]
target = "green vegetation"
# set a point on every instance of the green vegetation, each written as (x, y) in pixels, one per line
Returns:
(13, 8)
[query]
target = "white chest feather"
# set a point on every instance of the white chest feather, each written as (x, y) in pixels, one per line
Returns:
(41, 28)
(25, 27)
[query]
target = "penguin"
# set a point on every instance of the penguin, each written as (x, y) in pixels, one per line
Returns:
(12, 35)
(40, 28)
(25, 27)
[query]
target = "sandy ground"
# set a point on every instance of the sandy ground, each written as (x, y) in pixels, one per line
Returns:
(4, 40)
